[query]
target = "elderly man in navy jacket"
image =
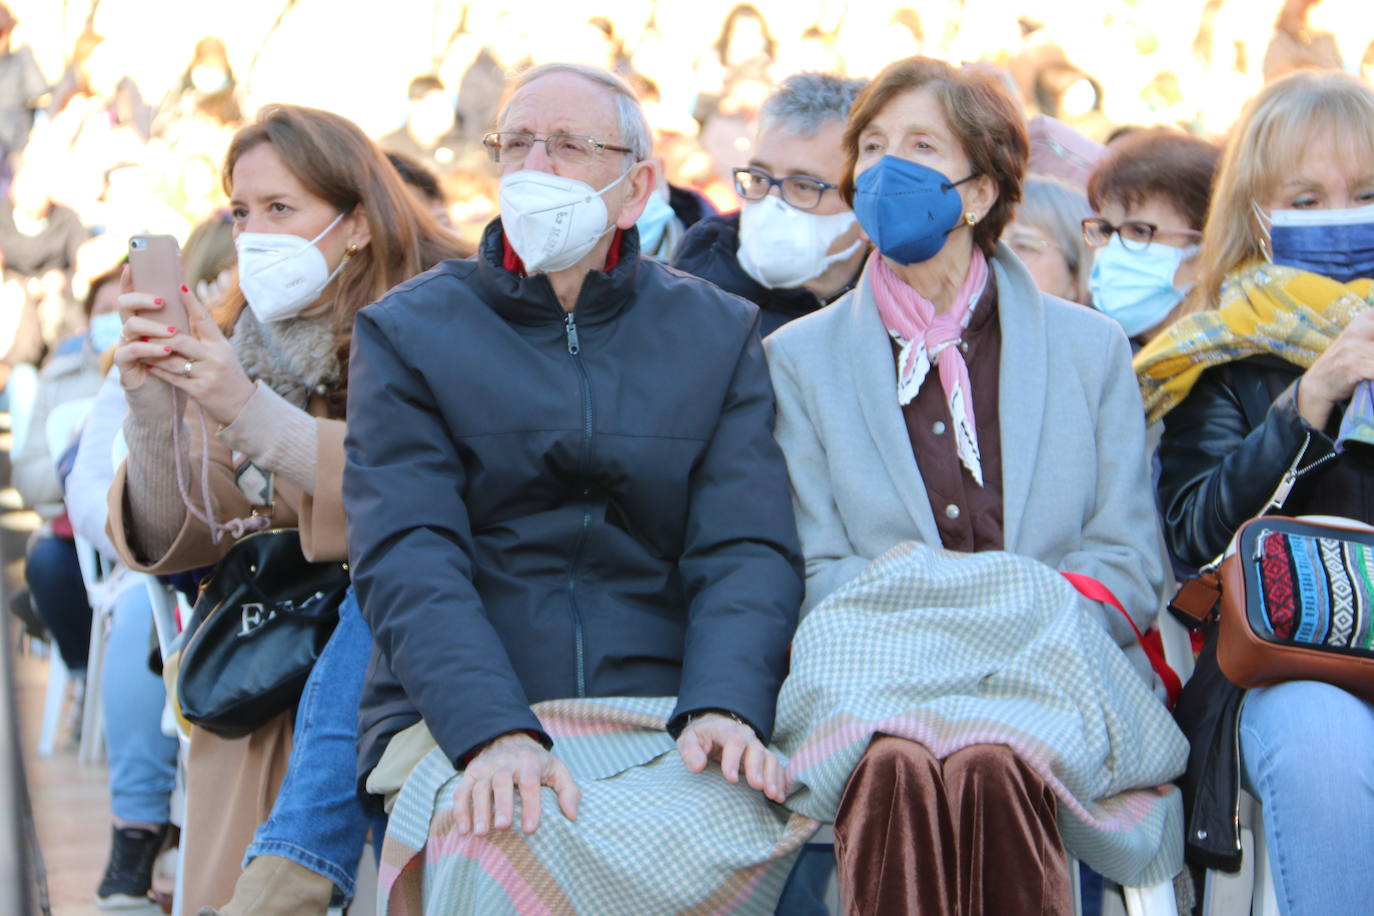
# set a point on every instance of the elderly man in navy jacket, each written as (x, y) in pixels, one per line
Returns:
(561, 477)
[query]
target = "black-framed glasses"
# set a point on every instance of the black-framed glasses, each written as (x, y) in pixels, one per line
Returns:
(512, 146)
(800, 191)
(1135, 233)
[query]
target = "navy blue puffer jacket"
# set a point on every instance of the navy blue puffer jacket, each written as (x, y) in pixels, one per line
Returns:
(545, 505)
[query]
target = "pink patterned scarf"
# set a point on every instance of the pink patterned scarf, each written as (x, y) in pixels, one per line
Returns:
(926, 337)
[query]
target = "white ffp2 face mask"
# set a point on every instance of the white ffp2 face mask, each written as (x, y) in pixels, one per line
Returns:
(782, 247)
(281, 274)
(551, 221)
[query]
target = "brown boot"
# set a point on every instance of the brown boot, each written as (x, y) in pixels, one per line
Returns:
(273, 886)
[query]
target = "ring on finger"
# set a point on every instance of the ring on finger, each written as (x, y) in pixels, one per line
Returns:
(186, 369)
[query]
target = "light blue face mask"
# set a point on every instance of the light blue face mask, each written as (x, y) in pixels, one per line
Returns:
(105, 331)
(653, 222)
(1136, 286)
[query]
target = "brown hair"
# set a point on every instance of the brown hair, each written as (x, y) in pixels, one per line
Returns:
(336, 161)
(1159, 162)
(985, 121)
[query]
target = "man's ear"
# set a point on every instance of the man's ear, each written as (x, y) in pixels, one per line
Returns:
(643, 178)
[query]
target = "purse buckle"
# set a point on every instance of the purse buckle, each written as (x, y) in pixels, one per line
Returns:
(1195, 603)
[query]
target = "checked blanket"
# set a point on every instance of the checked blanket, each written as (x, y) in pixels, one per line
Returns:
(952, 650)
(650, 837)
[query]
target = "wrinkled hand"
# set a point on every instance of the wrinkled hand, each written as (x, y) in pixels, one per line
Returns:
(713, 736)
(217, 380)
(485, 797)
(1348, 361)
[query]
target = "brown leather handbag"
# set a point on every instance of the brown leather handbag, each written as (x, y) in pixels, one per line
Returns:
(1294, 600)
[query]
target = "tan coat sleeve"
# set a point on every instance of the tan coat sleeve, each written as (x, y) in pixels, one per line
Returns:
(322, 522)
(193, 546)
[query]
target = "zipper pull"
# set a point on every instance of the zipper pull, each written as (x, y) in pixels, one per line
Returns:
(1290, 477)
(570, 324)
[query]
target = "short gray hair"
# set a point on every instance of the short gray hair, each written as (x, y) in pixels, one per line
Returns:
(806, 101)
(634, 126)
(1059, 208)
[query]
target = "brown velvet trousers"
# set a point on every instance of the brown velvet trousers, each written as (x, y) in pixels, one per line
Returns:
(972, 834)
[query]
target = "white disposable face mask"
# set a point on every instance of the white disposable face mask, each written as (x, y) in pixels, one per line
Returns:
(782, 247)
(105, 330)
(551, 221)
(281, 274)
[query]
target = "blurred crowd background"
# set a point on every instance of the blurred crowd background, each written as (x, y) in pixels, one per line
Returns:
(116, 113)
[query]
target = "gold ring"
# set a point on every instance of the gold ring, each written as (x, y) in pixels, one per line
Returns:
(186, 369)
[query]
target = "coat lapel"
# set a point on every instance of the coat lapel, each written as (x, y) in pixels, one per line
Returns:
(875, 383)
(1022, 387)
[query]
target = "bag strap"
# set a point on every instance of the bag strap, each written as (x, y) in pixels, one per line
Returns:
(1094, 590)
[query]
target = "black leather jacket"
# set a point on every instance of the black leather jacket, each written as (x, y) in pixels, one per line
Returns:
(1224, 452)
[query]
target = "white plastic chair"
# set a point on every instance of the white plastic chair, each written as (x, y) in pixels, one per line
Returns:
(1250, 891)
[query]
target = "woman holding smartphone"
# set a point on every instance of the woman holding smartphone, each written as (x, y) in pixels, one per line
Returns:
(323, 226)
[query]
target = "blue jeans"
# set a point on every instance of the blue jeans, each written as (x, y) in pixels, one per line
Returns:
(318, 820)
(143, 761)
(58, 595)
(1307, 754)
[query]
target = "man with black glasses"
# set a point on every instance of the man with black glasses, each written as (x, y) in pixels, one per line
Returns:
(794, 246)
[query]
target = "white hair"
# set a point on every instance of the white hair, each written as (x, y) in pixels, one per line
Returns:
(804, 102)
(634, 126)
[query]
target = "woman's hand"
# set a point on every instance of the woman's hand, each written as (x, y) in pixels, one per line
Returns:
(715, 736)
(198, 360)
(1348, 361)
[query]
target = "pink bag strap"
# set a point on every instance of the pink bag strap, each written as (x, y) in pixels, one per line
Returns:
(1094, 590)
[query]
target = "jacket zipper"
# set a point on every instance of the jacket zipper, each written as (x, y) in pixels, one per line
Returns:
(1290, 476)
(574, 349)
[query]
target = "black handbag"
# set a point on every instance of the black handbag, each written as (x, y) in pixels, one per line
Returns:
(259, 623)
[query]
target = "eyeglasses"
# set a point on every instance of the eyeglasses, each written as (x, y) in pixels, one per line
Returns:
(798, 190)
(1135, 233)
(1025, 243)
(512, 146)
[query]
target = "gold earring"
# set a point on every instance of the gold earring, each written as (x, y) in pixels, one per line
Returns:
(970, 217)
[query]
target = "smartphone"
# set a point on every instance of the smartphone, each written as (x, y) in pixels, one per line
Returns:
(155, 263)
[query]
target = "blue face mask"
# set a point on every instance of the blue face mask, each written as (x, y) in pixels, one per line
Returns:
(1136, 286)
(105, 331)
(1333, 243)
(907, 209)
(653, 222)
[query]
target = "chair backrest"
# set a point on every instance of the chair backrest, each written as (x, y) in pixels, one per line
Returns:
(22, 389)
(64, 421)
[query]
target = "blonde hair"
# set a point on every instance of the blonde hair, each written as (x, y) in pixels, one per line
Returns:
(1266, 145)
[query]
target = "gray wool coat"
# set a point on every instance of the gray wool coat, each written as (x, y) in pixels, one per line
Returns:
(1077, 492)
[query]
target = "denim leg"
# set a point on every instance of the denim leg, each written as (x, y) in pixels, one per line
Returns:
(59, 596)
(318, 820)
(804, 892)
(143, 761)
(1307, 752)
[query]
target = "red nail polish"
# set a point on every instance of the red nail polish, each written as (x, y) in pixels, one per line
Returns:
(143, 339)
(167, 349)
(157, 302)
(185, 288)
(171, 330)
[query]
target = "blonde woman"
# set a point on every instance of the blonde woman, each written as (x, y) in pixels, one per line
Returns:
(1255, 387)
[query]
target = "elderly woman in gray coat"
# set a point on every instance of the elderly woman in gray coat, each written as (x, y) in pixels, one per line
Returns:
(946, 401)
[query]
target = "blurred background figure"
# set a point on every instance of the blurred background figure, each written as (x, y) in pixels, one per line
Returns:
(430, 135)
(1047, 235)
(22, 89)
(1295, 46)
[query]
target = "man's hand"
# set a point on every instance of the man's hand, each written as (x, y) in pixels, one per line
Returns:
(491, 778)
(714, 736)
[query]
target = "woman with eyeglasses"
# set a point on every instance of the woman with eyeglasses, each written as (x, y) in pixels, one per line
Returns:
(1047, 235)
(1259, 391)
(1150, 193)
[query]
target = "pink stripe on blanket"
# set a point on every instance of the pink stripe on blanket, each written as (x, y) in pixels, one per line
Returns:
(497, 865)
(1125, 813)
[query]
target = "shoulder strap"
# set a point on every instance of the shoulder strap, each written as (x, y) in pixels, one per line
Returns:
(1094, 590)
